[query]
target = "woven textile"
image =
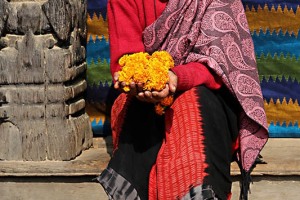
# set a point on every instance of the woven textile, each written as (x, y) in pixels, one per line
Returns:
(275, 31)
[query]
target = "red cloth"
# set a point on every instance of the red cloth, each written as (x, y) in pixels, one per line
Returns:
(180, 162)
(127, 20)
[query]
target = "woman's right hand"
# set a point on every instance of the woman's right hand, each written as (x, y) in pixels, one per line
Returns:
(157, 96)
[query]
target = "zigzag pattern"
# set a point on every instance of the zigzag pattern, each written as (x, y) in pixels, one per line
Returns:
(281, 19)
(255, 4)
(284, 131)
(97, 26)
(99, 121)
(99, 93)
(275, 26)
(278, 66)
(101, 128)
(280, 89)
(98, 72)
(98, 49)
(281, 112)
(270, 43)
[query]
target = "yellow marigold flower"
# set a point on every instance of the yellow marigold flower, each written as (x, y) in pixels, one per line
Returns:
(150, 70)
(122, 61)
(126, 88)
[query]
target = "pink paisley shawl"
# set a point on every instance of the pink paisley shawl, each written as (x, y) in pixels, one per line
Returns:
(216, 33)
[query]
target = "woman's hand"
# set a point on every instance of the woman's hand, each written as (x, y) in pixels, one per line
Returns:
(155, 96)
(148, 96)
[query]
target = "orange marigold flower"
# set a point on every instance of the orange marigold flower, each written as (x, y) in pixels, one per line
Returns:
(151, 70)
(167, 101)
(159, 109)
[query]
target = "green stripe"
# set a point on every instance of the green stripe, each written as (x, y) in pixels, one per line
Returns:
(278, 66)
(98, 71)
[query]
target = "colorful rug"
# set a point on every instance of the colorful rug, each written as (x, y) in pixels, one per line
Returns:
(274, 25)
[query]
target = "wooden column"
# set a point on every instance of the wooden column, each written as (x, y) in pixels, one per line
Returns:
(42, 80)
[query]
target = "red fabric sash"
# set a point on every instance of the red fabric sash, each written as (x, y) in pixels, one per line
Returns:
(180, 162)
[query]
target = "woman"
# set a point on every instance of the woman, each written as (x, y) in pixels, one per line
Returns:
(217, 114)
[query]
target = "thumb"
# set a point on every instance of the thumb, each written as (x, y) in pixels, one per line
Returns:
(173, 79)
(116, 76)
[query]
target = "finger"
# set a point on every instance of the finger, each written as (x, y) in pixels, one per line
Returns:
(140, 87)
(148, 94)
(132, 86)
(139, 98)
(141, 95)
(116, 76)
(154, 93)
(164, 92)
(117, 85)
(149, 98)
(173, 79)
(123, 84)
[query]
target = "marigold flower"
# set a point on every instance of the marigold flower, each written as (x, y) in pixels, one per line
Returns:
(159, 109)
(167, 101)
(150, 70)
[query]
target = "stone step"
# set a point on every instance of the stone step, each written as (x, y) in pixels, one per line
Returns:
(78, 188)
(281, 155)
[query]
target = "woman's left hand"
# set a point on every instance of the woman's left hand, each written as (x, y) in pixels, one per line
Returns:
(155, 96)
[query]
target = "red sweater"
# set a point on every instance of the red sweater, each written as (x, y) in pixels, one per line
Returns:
(127, 19)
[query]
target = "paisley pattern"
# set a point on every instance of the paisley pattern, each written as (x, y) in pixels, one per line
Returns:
(220, 39)
(149, 41)
(239, 14)
(247, 46)
(242, 21)
(216, 53)
(236, 58)
(223, 22)
(247, 86)
(204, 39)
(217, 4)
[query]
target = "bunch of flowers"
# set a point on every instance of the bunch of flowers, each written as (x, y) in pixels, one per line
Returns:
(150, 70)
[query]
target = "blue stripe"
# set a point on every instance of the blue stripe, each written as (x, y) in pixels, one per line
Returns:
(284, 130)
(100, 128)
(97, 49)
(276, 89)
(96, 4)
(273, 43)
(98, 7)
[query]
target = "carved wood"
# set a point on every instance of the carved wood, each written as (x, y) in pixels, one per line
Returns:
(42, 80)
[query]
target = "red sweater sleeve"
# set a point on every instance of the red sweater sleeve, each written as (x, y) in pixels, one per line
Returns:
(193, 74)
(125, 30)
